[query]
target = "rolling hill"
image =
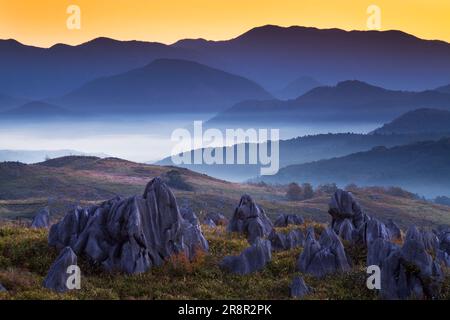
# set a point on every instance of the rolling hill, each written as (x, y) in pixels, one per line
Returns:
(38, 109)
(422, 167)
(418, 121)
(297, 88)
(347, 101)
(64, 182)
(165, 85)
(305, 149)
(270, 55)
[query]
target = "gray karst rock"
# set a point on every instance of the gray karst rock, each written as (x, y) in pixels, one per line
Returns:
(218, 218)
(130, 234)
(442, 258)
(253, 258)
(378, 251)
(343, 206)
(373, 229)
(298, 288)
(323, 257)
(394, 230)
(285, 241)
(410, 272)
(2, 288)
(431, 241)
(57, 275)
(41, 219)
(210, 223)
(346, 230)
(250, 219)
(444, 238)
(283, 220)
(192, 233)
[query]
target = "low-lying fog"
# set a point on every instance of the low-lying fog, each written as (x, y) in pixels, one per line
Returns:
(140, 139)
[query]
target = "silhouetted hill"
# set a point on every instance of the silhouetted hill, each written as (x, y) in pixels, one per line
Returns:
(297, 88)
(303, 150)
(34, 156)
(348, 100)
(270, 55)
(37, 109)
(444, 89)
(164, 85)
(273, 55)
(418, 121)
(8, 102)
(422, 167)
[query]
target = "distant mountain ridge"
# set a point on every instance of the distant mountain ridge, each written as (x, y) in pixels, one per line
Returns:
(422, 167)
(37, 109)
(418, 121)
(165, 85)
(269, 55)
(348, 100)
(303, 150)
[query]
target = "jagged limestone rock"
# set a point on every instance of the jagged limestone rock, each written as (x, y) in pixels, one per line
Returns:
(410, 272)
(218, 218)
(371, 230)
(253, 258)
(343, 206)
(323, 257)
(378, 251)
(41, 220)
(132, 234)
(192, 233)
(57, 275)
(285, 241)
(2, 288)
(298, 288)
(346, 230)
(394, 231)
(283, 220)
(210, 223)
(250, 219)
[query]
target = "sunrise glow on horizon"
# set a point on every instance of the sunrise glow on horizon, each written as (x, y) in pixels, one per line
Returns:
(43, 23)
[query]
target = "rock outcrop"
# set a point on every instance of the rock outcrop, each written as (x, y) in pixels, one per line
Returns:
(41, 220)
(2, 288)
(132, 234)
(298, 288)
(285, 241)
(283, 220)
(323, 257)
(410, 271)
(343, 206)
(394, 231)
(58, 274)
(253, 258)
(371, 230)
(378, 251)
(250, 219)
(218, 218)
(192, 233)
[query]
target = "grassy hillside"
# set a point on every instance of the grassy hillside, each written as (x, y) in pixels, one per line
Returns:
(64, 182)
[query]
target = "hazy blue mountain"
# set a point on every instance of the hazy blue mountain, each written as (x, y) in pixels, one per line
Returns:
(418, 121)
(8, 102)
(270, 55)
(348, 100)
(165, 85)
(297, 88)
(44, 72)
(444, 89)
(37, 109)
(422, 167)
(273, 56)
(35, 156)
(303, 150)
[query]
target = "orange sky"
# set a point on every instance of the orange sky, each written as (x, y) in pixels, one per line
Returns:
(43, 22)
